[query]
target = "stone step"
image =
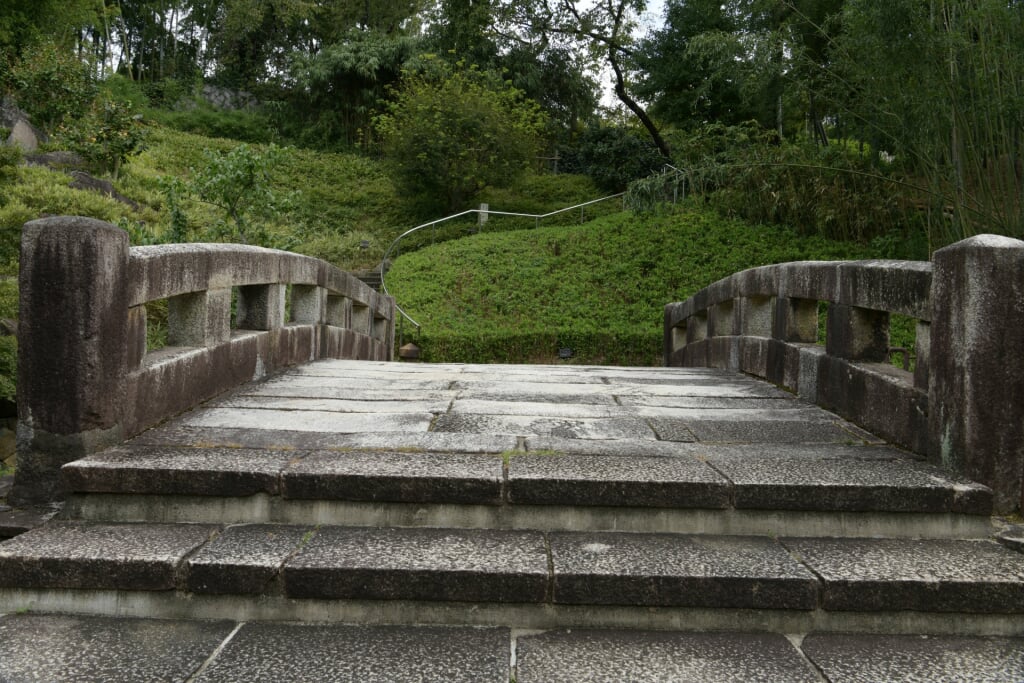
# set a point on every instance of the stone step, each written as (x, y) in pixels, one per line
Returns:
(797, 490)
(521, 579)
(62, 647)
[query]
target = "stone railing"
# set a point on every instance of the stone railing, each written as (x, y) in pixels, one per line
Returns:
(963, 405)
(85, 378)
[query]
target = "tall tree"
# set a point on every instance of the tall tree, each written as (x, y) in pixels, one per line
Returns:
(604, 29)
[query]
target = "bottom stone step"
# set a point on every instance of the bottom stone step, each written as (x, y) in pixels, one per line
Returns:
(62, 647)
(526, 578)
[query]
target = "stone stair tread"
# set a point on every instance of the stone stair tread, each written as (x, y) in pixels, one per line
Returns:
(910, 574)
(508, 566)
(866, 658)
(710, 478)
(64, 554)
(647, 657)
(115, 650)
(678, 570)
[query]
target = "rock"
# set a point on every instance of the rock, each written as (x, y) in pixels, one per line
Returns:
(59, 161)
(231, 100)
(84, 181)
(409, 352)
(23, 133)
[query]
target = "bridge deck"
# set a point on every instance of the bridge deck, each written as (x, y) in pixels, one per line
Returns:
(498, 408)
(443, 515)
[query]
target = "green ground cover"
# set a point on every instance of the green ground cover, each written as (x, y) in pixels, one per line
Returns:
(598, 288)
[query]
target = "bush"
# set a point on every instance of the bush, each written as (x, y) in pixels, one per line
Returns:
(108, 136)
(613, 157)
(450, 137)
(204, 119)
(836, 192)
(52, 84)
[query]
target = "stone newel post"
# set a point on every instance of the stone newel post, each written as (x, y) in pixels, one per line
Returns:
(72, 345)
(976, 389)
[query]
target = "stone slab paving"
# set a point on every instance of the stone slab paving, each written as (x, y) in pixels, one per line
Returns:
(507, 566)
(80, 649)
(467, 565)
(851, 484)
(852, 658)
(646, 657)
(343, 654)
(180, 471)
(245, 559)
(307, 420)
(176, 434)
(462, 478)
(680, 482)
(95, 555)
(925, 575)
(73, 649)
(678, 570)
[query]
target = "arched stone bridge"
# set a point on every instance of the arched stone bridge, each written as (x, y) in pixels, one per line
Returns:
(534, 523)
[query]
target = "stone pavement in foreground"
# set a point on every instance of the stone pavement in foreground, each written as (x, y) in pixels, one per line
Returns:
(352, 521)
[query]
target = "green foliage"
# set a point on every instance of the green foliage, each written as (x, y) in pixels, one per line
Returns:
(449, 138)
(10, 157)
(201, 118)
(121, 89)
(108, 136)
(941, 86)
(23, 22)
(341, 85)
(8, 345)
(613, 157)
(52, 84)
(836, 192)
(599, 288)
(238, 183)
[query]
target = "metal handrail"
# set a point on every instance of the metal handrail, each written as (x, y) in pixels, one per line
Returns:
(537, 217)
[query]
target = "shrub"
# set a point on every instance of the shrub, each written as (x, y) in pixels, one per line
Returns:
(52, 84)
(613, 157)
(450, 137)
(108, 136)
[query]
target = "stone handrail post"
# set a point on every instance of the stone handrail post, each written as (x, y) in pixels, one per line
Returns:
(976, 387)
(85, 378)
(963, 406)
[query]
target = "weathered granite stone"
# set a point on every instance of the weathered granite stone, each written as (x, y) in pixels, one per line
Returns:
(681, 482)
(396, 477)
(679, 571)
(175, 433)
(311, 420)
(368, 654)
(244, 559)
(976, 391)
(525, 425)
(850, 658)
(72, 355)
(923, 575)
(179, 471)
(774, 431)
(98, 556)
(653, 657)
(469, 565)
(800, 483)
(78, 649)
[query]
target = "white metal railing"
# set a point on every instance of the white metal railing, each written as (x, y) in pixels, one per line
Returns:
(483, 213)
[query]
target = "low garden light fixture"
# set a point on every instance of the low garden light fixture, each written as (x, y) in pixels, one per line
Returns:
(565, 353)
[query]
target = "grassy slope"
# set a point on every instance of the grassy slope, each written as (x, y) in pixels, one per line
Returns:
(599, 288)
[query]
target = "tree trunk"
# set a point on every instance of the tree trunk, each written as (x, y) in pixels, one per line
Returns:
(620, 92)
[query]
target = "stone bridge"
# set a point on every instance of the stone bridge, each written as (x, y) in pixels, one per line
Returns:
(267, 498)
(961, 406)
